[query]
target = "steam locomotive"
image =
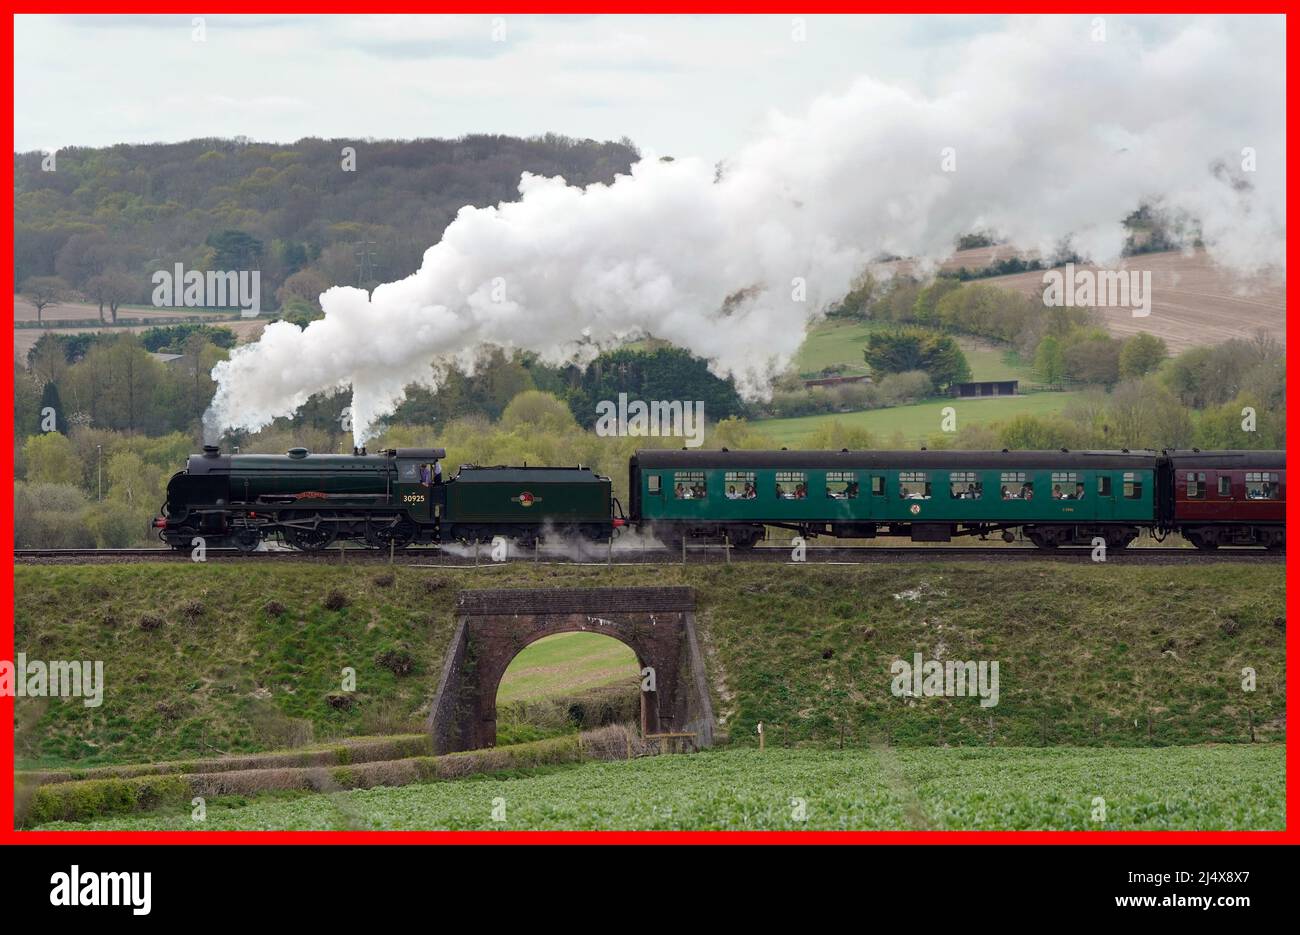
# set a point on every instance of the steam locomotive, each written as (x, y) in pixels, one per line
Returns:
(398, 497)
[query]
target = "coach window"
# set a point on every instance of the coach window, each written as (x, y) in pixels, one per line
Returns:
(1261, 485)
(791, 485)
(1132, 486)
(1066, 486)
(913, 485)
(965, 485)
(1016, 485)
(1103, 485)
(740, 485)
(877, 485)
(842, 485)
(1225, 485)
(689, 485)
(652, 481)
(1195, 485)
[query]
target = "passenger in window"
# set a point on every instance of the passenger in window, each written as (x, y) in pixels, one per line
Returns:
(681, 494)
(750, 492)
(851, 491)
(731, 492)
(971, 492)
(1026, 492)
(1056, 491)
(1006, 494)
(1078, 491)
(780, 492)
(800, 491)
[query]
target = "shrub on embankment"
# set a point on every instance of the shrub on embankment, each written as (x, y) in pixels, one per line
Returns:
(245, 656)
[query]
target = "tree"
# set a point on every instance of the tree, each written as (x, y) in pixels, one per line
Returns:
(235, 250)
(1093, 360)
(128, 478)
(1141, 354)
(1049, 361)
(50, 459)
(1144, 414)
(537, 410)
(664, 373)
(85, 256)
(306, 285)
(53, 406)
(43, 291)
(938, 355)
(113, 288)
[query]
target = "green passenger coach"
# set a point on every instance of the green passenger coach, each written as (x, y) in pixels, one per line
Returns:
(1053, 497)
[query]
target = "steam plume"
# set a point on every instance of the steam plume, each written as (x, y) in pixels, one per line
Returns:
(1055, 137)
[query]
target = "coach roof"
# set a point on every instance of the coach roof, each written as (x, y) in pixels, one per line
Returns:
(1185, 459)
(897, 460)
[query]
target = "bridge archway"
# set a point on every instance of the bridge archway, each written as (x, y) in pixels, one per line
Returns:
(492, 626)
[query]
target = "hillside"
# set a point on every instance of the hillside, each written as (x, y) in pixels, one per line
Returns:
(241, 657)
(299, 208)
(1194, 301)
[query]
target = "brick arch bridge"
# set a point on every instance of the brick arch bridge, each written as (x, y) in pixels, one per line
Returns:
(492, 626)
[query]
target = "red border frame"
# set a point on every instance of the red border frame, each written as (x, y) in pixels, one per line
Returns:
(9, 836)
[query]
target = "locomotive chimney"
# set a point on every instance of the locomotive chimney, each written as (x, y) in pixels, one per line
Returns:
(211, 451)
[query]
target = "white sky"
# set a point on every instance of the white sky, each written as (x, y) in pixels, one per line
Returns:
(677, 85)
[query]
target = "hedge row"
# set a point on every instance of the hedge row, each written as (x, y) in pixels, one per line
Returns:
(86, 799)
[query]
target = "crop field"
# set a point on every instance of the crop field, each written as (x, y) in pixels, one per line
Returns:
(881, 788)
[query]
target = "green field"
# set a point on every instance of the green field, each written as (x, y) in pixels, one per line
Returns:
(1194, 788)
(836, 341)
(832, 342)
(567, 664)
(917, 423)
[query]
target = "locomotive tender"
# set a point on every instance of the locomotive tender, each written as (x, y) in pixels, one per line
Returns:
(398, 497)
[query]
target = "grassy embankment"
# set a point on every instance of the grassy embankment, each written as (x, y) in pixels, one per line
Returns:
(1101, 656)
(229, 658)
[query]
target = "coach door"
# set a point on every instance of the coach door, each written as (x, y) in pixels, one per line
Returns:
(1104, 486)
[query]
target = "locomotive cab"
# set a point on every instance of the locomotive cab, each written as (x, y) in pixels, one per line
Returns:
(419, 487)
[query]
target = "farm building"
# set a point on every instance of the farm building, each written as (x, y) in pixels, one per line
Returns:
(986, 388)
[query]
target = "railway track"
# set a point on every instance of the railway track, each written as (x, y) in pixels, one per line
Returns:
(701, 554)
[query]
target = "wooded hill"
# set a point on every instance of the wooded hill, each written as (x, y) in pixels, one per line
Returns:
(290, 210)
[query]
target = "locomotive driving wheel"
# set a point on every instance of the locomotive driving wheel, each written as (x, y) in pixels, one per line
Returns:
(399, 535)
(247, 539)
(312, 538)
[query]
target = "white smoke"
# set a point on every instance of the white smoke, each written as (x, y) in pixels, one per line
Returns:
(1056, 137)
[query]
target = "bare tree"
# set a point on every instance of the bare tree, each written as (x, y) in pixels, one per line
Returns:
(113, 288)
(43, 291)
